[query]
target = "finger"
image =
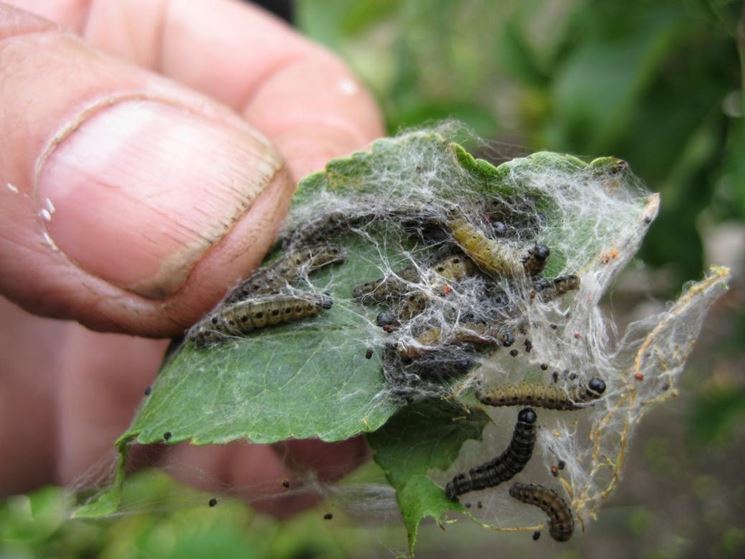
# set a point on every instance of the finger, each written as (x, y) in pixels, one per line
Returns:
(30, 346)
(303, 98)
(97, 382)
(329, 461)
(251, 472)
(101, 379)
(128, 202)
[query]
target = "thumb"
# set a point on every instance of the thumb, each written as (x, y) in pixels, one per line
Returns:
(127, 202)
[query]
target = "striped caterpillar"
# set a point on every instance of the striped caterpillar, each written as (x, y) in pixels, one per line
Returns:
(503, 467)
(253, 314)
(287, 269)
(549, 397)
(494, 257)
(489, 255)
(560, 518)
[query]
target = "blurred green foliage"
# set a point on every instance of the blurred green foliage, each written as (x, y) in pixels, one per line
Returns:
(655, 82)
(166, 520)
(715, 414)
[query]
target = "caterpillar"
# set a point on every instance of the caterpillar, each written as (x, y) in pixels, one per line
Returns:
(503, 467)
(489, 255)
(385, 289)
(286, 269)
(536, 259)
(365, 211)
(245, 316)
(549, 397)
(328, 225)
(452, 268)
(468, 333)
(409, 382)
(560, 518)
(440, 365)
(547, 290)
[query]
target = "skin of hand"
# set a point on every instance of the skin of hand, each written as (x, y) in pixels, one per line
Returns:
(148, 153)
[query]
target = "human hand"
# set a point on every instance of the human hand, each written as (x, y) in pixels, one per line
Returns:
(132, 201)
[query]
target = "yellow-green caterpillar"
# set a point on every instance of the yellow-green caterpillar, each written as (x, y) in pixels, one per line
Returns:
(543, 396)
(246, 316)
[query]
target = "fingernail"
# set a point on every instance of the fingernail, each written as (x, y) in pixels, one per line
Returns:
(138, 191)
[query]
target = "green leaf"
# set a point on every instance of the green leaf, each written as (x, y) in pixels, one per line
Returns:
(313, 379)
(421, 437)
(298, 381)
(107, 502)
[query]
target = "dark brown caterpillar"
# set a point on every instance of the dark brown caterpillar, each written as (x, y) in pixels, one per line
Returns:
(547, 290)
(491, 256)
(549, 397)
(287, 269)
(536, 260)
(560, 518)
(503, 467)
(253, 314)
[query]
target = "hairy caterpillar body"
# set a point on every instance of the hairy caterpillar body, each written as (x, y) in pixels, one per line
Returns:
(287, 269)
(489, 255)
(253, 314)
(503, 467)
(561, 520)
(541, 396)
